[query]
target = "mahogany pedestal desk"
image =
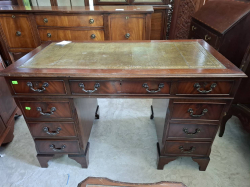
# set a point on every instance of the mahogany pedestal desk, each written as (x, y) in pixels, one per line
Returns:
(57, 86)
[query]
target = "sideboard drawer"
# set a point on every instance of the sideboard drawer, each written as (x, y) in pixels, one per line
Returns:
(209, 37)
(52, 129)
(192, 131)
(187, 148)
(70, 20)
(145, 87)
(46, 110)
(197, 111)
(57, 146)
(94, 87)
(17, 31)
(204, 88)
(71, 35)
(45, 87)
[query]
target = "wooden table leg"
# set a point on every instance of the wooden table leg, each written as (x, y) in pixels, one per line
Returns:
(203, 162)
(82, 159)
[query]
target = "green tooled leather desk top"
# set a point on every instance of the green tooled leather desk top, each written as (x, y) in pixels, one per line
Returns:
(148, 55)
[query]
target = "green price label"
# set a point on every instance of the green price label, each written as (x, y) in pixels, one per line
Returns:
(27, 108)
(14, 82)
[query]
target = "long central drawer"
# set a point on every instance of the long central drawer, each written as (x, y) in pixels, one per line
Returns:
(69, 20)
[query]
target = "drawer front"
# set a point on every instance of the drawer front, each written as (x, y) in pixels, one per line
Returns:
(70, 20)
(197, 111)
(94, 87)
(187, 148)
(127, 27)
(17, 30)
(71, 35)
(204, 88)
(53, 129)
(46, 110)
(145, 87)
(57, 146)
(202, 33)
(38, 87)
(192, 131)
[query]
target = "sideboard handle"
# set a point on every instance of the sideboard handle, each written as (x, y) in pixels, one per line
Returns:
(53, 147)
(92, 36)
(207, 37)
(194, 28)
(97, 85)
(198, 86)
(127, 35)
(91, 21)
(52, 110)
(49, 35)
(187, 151)
(18, 33)
(45, 84)
(190, 110)
(191, 133)
(53, 133)
(45, 20)
(145, 85)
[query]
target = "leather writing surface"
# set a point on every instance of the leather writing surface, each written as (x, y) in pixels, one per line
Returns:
(148, 55)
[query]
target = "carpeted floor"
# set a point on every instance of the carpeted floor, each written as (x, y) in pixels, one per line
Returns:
(123, 148)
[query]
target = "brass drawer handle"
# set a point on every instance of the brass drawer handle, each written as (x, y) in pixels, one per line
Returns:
(187, 151)
(198, 86)
(92, 36)
(185, 130)
(91, 21)
(97, 85)
(190, 110)
(145, 85)
(49, 35)
(13, 16)
(207, 37)
(53, 133)
(45, 20)
(52, 110)
(45, 84)
(127, 35)
(194, 28)
(18, 33)
(53, 147)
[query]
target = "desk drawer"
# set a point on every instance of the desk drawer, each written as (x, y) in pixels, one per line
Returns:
(46, 110)
(53, 129)
(204, 88)
(94, 87)
(202, 33)
(70, 20)
(192, 131)
(45, 87)
(197, 110)
(187, 148)
(145, 87)
(57, 146)
(71, 35)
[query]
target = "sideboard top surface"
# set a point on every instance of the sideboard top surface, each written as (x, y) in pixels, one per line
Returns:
(77, 9)
(187, 58)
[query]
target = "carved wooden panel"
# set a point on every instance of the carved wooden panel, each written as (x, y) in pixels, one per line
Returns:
(181, 18)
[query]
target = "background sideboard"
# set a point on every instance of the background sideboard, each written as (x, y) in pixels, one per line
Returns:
(22, 29)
